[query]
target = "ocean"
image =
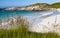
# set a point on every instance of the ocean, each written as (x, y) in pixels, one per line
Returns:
(36, 15)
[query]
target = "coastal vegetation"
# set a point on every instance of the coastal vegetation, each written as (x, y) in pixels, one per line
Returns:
(55, 5)
(22, 32)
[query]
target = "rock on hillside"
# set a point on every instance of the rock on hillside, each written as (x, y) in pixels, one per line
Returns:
(38, 6)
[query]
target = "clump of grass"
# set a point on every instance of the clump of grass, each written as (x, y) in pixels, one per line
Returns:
(22, 32)
(12, 33)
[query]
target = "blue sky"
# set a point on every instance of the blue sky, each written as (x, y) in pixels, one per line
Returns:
(8, 3)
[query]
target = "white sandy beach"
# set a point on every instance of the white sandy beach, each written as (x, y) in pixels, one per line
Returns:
(49, 24)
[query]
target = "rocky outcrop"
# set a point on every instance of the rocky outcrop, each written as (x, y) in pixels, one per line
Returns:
(37, 6)
(32, 7)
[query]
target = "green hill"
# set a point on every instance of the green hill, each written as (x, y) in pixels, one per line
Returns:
(37, 6)
(55, 5)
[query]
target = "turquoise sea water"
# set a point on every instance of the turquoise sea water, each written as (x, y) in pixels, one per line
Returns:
(37, 15)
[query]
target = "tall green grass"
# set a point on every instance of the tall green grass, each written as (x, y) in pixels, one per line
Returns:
(22, 32)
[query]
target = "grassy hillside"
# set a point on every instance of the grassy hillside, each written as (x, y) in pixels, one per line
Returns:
(55, 5)
(39, 4)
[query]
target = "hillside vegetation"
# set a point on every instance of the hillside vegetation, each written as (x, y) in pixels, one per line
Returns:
(37, 6)
(55, 5)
